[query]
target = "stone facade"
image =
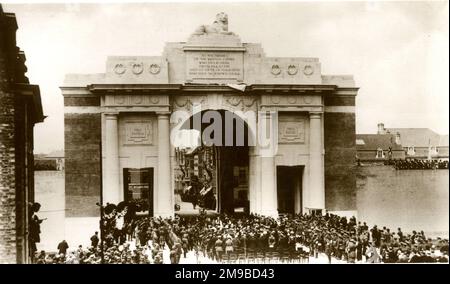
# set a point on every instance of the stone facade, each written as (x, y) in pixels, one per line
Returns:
(82, 149)
(20, 109)
(340, 177)
(131, 103)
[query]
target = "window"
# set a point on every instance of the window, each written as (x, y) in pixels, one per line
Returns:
(380, 153)
(433, 150)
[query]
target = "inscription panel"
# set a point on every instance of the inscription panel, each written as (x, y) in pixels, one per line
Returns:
(214, 65)
(291, 131)
(138, 133)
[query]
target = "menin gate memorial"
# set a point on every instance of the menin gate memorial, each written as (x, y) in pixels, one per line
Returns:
(122, 118)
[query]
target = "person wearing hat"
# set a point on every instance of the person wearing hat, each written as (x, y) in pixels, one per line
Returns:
(271, 241)
(94, 240)
(178, 249)
(229, 247)
(62, 247)
(329, 249)
(158, 259)
(218, 249)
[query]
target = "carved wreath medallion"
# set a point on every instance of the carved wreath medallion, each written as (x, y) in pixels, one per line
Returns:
(292, 70)
(276, 70)
(275, 99)
(154, 69)
(292, 99)
(120, 69)
(308, 70)
(137, 68)
(154, 99)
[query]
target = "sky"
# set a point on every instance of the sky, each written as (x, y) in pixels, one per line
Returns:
(397, 51)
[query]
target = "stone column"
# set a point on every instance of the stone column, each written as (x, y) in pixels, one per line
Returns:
(164, 189)
(316, 196)
(268, 198)
(111, 181)
(252, 183)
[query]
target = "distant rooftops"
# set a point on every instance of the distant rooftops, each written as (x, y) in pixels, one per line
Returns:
(419, 137)
(403, 142)
(376, 141)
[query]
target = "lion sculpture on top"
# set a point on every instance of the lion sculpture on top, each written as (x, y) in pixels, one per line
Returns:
(220, 26)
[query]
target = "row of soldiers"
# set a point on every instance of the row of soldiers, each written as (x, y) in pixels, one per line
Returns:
(416, 164)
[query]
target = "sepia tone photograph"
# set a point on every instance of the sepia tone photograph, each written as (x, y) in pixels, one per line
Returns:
(297, 132)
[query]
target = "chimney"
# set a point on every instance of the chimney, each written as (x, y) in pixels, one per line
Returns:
(397, 139)
(381, 129)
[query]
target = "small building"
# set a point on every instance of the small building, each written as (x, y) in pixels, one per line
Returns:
(54, 161)
(378, 147)
(422, 143)
(401, 143)
(20, 110)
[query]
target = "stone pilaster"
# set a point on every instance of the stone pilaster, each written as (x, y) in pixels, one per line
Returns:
(164, 191)
(316, 196)
(111, 183)
(268, 195)
(254, 179)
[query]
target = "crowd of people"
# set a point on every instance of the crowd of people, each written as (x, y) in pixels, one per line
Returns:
(416, 164)
(199, 193)
(129, 238)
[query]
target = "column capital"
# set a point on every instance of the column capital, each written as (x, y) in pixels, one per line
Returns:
(163, 114)
(111, 115)
(315, 114)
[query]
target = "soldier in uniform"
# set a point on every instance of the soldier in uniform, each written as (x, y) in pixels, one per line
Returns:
(219, 249)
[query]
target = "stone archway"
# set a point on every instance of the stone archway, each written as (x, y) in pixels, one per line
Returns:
(227, 137)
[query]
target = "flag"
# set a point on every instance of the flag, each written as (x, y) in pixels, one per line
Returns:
(239, 87)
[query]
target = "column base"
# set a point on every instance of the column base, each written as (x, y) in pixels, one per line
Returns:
(345, 213)
(164, 214)
(269, 213)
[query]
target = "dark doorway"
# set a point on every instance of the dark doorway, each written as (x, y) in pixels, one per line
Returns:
(138, 188)
(231, 146)
(233, 165)
(289, 188)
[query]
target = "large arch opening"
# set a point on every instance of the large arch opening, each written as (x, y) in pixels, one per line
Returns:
(213, 169)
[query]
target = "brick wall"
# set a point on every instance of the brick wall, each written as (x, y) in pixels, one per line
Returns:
(340, 151)
(82, 135)
(20, 109)
(7, 158)
(7, 178)
(82, 101)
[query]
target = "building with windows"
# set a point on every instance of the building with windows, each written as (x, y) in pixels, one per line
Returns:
(401, 143)
(422, 143)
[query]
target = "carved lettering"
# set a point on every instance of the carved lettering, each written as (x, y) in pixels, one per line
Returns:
(214, 65)
(291, 131)
(138, 132)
